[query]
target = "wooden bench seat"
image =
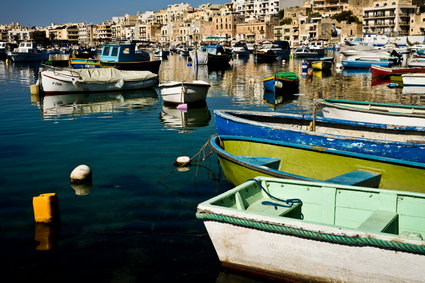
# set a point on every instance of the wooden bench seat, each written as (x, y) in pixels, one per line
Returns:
(380, 221)
(269, 162)
(358, 178)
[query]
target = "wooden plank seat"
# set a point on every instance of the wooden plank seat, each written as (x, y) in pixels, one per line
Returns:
(269, 162)
(358, 178)
(380, 221)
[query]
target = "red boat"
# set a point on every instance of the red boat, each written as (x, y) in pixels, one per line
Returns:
(385, 72)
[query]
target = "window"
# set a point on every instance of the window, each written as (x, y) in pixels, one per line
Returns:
(106, 51)
(114, 51)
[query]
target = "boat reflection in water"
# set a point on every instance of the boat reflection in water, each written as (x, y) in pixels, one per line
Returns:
(322, 73)
(185, 120)
(74, 105)
(356, 73)
(275, 100)
(413, 90)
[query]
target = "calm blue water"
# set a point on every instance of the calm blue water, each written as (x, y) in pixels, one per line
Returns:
(137, 222)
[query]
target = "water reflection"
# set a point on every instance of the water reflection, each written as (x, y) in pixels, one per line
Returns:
(187, 120)
(356, 72)
(275, 100)
(24, 74)
(71, 106)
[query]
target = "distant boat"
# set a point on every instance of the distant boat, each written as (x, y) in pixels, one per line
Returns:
(363, 111)
(283, 82)
(317, 231)
(304, 51)
(242, 158)
(413, 79)
(55, 81)
(120, 56)
(240, 49)
(28, 52)
(211, 55)
(184, 92)
(3, 51)
(385, 72)
(321, 65)
(392, 141)
(365, 64)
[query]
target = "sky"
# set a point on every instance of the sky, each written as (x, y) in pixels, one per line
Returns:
(44, 12)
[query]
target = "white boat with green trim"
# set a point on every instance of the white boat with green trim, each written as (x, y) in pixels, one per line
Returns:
(364, 111)
(318, 232)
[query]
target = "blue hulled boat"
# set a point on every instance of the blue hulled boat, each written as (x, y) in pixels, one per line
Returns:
(399, 142)
(120, 56)
(365, 64)
(284, 82)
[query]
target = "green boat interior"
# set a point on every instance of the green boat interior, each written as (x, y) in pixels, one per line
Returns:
(361, 209)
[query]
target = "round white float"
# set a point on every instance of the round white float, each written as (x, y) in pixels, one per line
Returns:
(81, 174)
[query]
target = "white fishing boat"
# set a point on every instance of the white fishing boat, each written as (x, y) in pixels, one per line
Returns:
(318, 232)
(184, 92)
(27, 52)
(413, 79)
(56, 81)
(382, 113)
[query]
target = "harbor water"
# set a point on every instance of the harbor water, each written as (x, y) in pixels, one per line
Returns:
(136, 222)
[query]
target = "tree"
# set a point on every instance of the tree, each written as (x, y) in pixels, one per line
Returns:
(346, 16)
(286, 21)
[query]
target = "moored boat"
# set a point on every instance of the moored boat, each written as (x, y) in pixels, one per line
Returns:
(56, 81)
(413, 79)
(284, 82)
(385, 72)
(364, 111)
(211, 55)
(120, 56)
(243, 158)
(318, 232)
(364, 64)
(184, 92)
(400, 142)
(321, 65)
(27, 51)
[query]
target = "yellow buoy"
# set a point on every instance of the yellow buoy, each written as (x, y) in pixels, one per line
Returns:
(35, 89)
(46, 208)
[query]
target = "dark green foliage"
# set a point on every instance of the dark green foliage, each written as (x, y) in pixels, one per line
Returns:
(346, 16)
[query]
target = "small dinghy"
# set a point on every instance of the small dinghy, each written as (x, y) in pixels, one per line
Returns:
(184, 92)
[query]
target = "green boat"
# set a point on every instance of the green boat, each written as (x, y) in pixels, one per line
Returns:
(318, 232)
(242, 158)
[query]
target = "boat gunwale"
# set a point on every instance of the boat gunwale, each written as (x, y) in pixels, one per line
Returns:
(335, 104)
(223, 153)
(207, 211)
(232, 115)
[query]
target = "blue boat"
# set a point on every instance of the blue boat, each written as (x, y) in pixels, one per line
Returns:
(365, 64)
(398, 142)
(119, 56)
(282, 82)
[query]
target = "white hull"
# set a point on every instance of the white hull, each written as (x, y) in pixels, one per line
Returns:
(413, 79)
(57, 82)
(291, 256)
(184, 92)
(344, 114)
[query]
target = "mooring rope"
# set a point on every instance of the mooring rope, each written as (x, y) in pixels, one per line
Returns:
(289, 202)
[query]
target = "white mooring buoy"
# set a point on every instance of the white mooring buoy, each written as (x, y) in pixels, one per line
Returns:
(81, 174)
(182, 161)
